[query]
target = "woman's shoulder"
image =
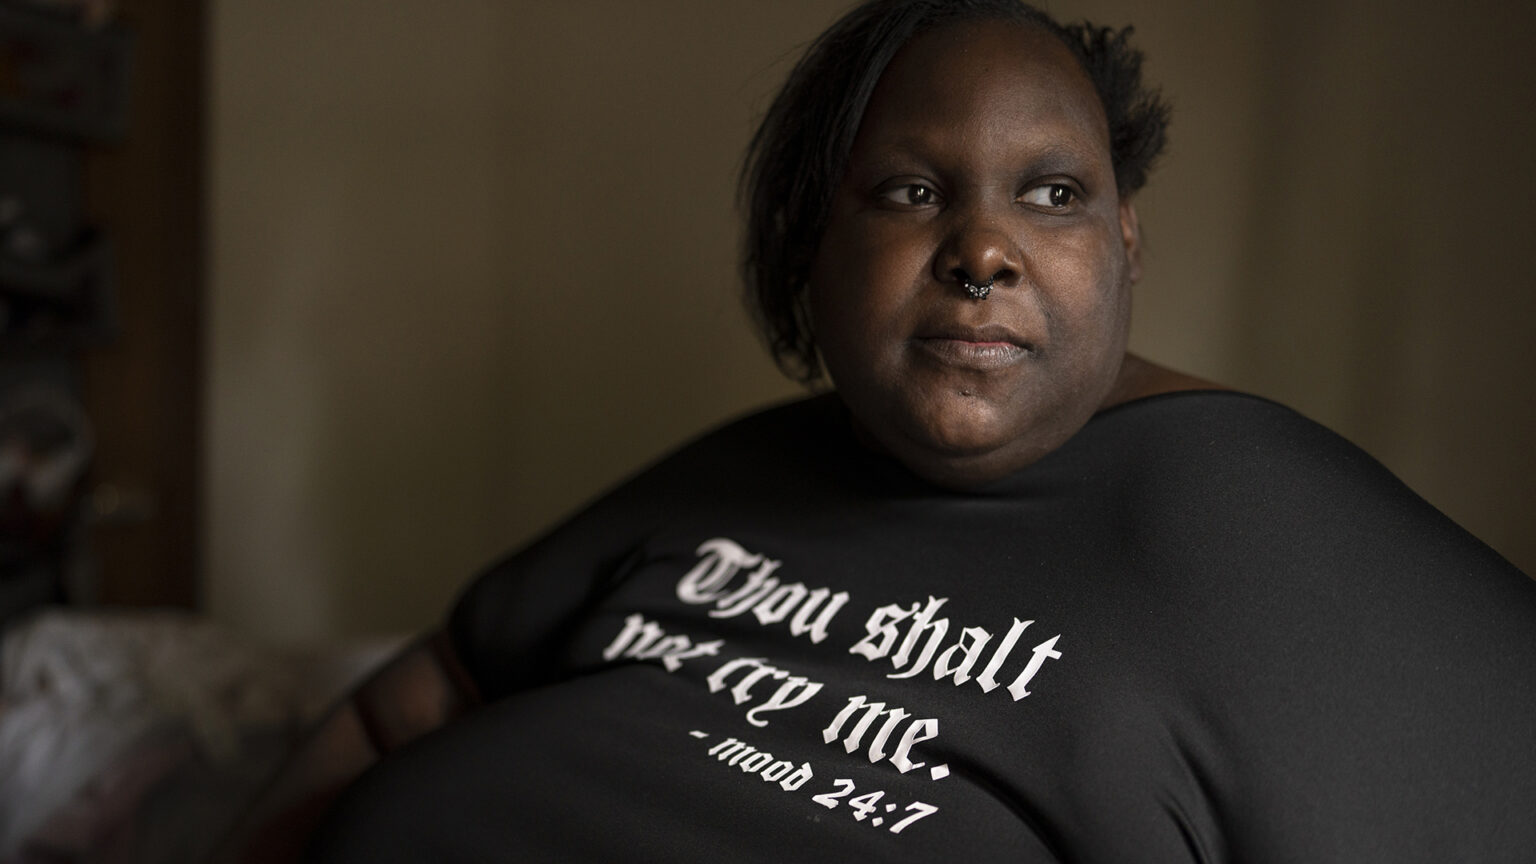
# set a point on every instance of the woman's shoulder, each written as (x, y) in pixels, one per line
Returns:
(1221, 469)
(1140, 378)
(1159, 416)
(1239, 453)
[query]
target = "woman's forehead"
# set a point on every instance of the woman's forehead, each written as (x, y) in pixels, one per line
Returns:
(1015, 74)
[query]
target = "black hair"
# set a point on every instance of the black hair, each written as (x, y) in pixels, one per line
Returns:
(798, 154)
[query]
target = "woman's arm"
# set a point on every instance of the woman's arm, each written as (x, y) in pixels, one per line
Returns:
(419, 690)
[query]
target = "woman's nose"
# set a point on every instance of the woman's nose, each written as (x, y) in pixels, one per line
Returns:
(979, 252)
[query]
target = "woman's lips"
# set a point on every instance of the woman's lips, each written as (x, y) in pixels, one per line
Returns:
(982, 349)
(978, 356)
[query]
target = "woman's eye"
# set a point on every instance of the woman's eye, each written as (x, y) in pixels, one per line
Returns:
(1050, 195)
(911, 195)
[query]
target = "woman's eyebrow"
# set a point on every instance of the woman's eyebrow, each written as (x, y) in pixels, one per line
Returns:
(902, 157)
(915, 154)
(1058, 158)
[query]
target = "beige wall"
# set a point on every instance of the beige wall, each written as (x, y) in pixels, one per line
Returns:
(474, 261)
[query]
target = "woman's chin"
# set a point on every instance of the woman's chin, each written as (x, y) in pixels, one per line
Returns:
(966, 425)
(962, 454)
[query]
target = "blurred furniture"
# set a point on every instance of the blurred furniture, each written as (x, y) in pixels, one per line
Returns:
(100, 286)
(62, 89)
(140, 736)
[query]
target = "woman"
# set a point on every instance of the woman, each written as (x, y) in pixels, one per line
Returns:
(1008, 593)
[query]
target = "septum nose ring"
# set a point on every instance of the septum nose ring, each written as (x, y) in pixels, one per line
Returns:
(977, 290)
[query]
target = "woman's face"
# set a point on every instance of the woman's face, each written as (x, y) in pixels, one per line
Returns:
(983, 154)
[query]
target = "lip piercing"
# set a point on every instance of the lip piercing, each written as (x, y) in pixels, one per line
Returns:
(977, 290)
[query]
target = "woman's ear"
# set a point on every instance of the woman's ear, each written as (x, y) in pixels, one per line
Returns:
(1130, 236)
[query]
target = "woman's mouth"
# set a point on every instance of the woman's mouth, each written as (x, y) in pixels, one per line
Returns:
(982, 349)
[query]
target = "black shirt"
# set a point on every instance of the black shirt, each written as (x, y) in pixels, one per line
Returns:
(1205, 629)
